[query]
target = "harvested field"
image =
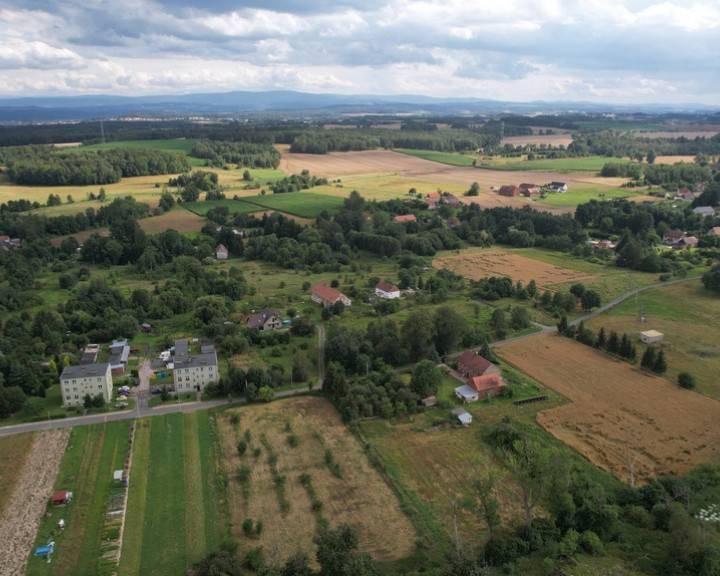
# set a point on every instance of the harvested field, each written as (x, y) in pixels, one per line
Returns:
(23, 512)
(499, 263)
(396, 165)
(538, 139)
(674, 159)
(618, 413)
(177, 219)
(360, 497)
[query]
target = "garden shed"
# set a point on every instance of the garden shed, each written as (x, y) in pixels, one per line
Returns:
(61, 497)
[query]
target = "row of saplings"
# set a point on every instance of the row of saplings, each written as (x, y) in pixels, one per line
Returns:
(622, 346)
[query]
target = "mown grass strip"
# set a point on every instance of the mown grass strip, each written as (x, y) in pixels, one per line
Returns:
(194, 494)
(137, 502)
(216, 509)
(165, 534)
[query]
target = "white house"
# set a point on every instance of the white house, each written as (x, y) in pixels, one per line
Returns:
(78, 381)
(265, 320)
(387, 290)
(192, 373)
(221, 252)
(558, 187)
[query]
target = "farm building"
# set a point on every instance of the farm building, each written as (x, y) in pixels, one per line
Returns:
(687, 242)
(78, 381)
(193, 372)
(61, 497)
(463, 416)
(429, 401)
(327, 296)
(509, 190)
(431, 203)
(684, 194)
(672, 237)
(265, 320)
(651, 336)
(405, 218)
(529, 190)
(488, 385)
(704, 211)
(466, 394)
(470, 364)
(386, 290)
(221, 252)
(558, 187)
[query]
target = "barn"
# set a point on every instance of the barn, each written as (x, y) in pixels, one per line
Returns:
(651, 336)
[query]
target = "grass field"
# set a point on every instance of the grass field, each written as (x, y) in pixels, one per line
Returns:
(302, 204)
(358, 495)
(15, 450)
(442, 157)
(93, 453)
(174, 515)
(687, 315)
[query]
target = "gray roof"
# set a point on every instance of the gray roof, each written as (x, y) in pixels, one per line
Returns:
(458, 411)
(199, 360)
(84, 371)
(207, 348)
(182, 351)
(466, 391)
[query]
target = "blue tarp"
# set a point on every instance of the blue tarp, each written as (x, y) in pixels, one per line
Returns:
(43, 550)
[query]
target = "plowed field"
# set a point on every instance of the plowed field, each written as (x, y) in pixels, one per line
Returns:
(618, 414)
(499, 263)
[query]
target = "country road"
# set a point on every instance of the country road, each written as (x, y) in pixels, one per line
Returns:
(142, 410)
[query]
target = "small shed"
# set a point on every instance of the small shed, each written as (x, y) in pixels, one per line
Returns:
(61, 497)
(463, 416)
(466, 394)
(429, 401)
(651, 336)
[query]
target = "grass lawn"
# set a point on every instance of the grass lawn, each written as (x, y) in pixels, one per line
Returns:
(442, 157)
(687, 316)
(93, 453)
(581, 195)
(587, 164)
(303, 204)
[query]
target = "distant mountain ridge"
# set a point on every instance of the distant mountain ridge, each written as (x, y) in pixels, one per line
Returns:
(68, 108)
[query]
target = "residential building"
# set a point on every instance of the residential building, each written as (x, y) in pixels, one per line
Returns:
(704, 211)
(327, 296)
(672, 237)
(529, 190)
(470, 365)
(265, 320)
(78, 381)
(687, 242)
(488, 385)
(118, 356)
(192, 373)
(221, 252)
(405, 218)
(557, 187)
(386, 290)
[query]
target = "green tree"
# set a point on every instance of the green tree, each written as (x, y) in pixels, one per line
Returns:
(425, 379)
(337, 553)
(266, 394)
(474, 190)
(648, 358)
(686, 380)
(562, 325)
(590, 299)
(450, 327)
(601, 338)
(519, 317)
(711, 279)
(417, 333)
(660, 365)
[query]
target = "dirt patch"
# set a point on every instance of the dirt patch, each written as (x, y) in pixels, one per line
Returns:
(20, 521)
(360, 498)
(618, 413)
(498, 263)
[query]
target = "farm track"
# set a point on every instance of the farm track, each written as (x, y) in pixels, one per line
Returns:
(20, 521)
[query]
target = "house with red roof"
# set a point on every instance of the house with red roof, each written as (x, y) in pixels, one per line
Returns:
(509, 190)
(488, 385)
(386, 290)
(326, 296)
(405, 218)
(672, 237)
(221, 252)
(470, 365)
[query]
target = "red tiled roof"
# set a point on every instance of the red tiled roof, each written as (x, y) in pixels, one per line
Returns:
(406, 218)
(477, 363)
(386, 286)
(487, 382)
(327, 293)
(220, 247)
(673, 234)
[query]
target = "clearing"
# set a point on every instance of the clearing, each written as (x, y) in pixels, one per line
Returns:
(500, 263)
(618, 414)
(298, 436)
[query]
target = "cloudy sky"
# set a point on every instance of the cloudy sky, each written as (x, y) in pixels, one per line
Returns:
(615, 51)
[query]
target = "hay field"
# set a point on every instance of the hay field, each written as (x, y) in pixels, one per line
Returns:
(618, 413)
(500, 263)
(360, 498)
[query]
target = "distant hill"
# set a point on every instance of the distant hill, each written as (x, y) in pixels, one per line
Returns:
(272, 103)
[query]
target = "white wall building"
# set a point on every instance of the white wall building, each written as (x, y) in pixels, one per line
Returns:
(192, 373)
(78, 381)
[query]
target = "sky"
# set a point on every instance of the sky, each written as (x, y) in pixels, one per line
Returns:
(607, 51)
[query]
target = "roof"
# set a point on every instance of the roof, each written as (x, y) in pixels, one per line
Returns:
(458, 411)
(405, 218)
(704, 210)
(201, 360)
(508, 190)
(59, 495)
(672, 234)
(257, 320)
(714, 230)
(386, 287)
(474, 361)
(651, 333)
(327, 293)
(220, 248)
(85, 371)
(182, 351)
(466, 392)
(486, 382)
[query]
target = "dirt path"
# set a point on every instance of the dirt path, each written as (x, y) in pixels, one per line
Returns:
(21, 519)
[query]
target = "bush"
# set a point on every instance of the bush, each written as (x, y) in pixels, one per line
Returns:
(590, 543)
(686, 380)
(244, 473)
(242, 447)
(247, 526)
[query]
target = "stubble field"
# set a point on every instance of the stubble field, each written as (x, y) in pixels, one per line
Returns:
(618, 415)
(500, 263)
(359, 497)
